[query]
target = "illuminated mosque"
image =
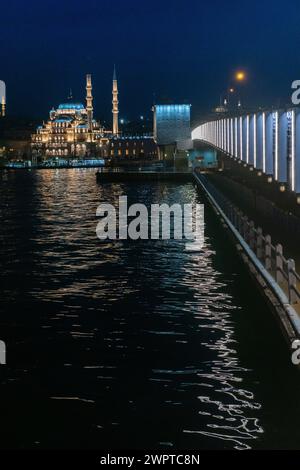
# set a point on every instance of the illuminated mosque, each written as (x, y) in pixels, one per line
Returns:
(72, 131)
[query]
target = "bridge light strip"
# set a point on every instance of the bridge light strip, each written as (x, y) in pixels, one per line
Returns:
(221, 134)
(264, 140)
(236, 137)
(275, 115)
(293, 149)
(221, 141)
(247, 137)
(254, 143)
(228, 136)
(231, 137)
(241, 138)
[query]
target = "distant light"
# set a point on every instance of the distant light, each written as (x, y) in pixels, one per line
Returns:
(231, 90)
(141, 118)
(122, 121)
(240, 76)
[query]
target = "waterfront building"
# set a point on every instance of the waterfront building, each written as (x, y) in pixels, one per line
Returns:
(172, 123)
(172, 132)
(132, 147)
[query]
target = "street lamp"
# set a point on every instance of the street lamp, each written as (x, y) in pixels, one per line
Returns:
(240, 76)
(227, 99)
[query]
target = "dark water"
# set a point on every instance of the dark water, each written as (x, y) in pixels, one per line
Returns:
(131, 344)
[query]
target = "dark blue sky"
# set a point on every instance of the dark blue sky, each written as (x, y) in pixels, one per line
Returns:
(181, 49)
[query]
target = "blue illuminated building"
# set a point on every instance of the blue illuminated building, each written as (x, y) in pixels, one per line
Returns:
(172, 123)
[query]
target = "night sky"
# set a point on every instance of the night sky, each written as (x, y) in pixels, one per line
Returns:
(184, 50)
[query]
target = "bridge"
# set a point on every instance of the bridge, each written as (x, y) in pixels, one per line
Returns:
(267, 141)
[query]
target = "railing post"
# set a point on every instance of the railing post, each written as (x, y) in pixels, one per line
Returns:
(259, 242)
(237, 219)
(251, 235)
(292, 282)
(226, 206)
(245, 228)
(279, 264)
(232, 213)
(240, 221)
(233, 216)
(268, 253)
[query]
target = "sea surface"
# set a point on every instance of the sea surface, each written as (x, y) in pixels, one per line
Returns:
(131, 344)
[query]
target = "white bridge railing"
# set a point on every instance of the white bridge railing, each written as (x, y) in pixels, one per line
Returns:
(268, 141)
(271, 255)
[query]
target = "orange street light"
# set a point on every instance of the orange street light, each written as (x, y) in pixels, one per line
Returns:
(240, 76)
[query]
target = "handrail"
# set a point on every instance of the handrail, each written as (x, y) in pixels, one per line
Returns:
(280, 268)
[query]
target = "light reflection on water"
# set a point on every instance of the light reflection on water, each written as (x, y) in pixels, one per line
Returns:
(121, 344)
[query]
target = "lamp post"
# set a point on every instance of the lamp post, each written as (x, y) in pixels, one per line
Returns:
(240, 77)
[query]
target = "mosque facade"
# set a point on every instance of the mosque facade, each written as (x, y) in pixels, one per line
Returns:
(72, 131)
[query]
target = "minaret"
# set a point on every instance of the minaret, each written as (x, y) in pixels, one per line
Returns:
(3, 98)
(3, 106)
(115, 103)
(89, 103)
